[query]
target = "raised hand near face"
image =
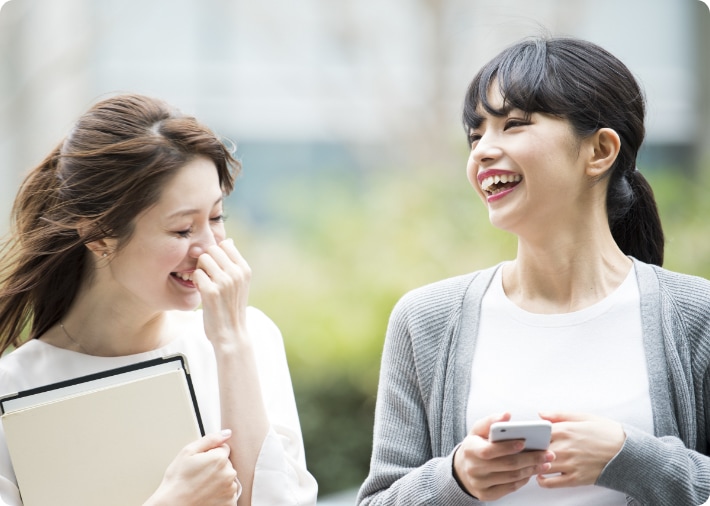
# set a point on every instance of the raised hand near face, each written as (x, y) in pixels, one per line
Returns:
(222, 277)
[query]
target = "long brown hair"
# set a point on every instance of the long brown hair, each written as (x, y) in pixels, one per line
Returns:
(111, 167)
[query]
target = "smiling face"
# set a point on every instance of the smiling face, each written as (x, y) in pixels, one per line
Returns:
(527, 168)
(152, 269)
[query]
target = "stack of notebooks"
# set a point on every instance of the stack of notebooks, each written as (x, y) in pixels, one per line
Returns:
(101, 440)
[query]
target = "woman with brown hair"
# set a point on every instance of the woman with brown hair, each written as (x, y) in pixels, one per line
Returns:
(118, 235)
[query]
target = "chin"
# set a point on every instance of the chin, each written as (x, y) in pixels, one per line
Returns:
(189, 304)
(505, 221)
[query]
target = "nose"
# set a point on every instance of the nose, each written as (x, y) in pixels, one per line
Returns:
(202, 241)
(486, 149)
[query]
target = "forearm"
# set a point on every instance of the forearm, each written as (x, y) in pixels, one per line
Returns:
(243, 411)
(658, 471)
(431, 484)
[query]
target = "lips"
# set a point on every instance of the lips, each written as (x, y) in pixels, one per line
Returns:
(495, 181)
(183, 278)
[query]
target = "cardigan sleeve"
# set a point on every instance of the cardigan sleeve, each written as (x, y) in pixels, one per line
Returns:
(658, 470)
(672, 467)
(403, 470)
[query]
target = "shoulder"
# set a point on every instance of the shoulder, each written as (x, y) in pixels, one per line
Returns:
(423, 316)
(683, 300)
(191, 323)
(684, 285)
(265, 335)
(687, 291)
(32, 364)
(440, 299)
(258, 321)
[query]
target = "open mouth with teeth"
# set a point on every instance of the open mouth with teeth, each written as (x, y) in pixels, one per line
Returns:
(184, 278)
(500, 182)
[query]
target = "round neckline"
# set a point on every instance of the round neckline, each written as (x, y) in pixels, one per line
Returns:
(155, 351)
(176, 340)
(559, 319)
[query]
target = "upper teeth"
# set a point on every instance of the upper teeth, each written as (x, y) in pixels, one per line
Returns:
(185, 276)
(499, 178)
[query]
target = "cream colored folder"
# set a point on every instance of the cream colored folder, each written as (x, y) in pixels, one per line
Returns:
(101, 440)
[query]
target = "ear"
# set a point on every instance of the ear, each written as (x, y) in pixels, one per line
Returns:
(604, 148)
(102, 248)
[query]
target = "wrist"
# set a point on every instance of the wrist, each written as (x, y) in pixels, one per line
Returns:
(455, 474)
(155, 500)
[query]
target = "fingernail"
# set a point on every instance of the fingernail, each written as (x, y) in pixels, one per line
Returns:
(226, 433)
(519, 446)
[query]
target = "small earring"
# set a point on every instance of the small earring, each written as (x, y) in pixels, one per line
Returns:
(104, 254)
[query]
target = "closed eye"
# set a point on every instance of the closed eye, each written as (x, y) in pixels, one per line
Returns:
(516, 122)
(473, 138)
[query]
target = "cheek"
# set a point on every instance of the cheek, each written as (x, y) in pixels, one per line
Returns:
(471, 171)
(471, 174)
(219, 233)
(173, 253)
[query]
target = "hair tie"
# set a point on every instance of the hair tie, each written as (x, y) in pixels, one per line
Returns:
(631, 173)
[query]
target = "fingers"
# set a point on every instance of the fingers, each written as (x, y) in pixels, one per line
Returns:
(482, 427)
(505, 456)
(584, 445)
(221, 265)
(558, 480)
(210, 442)
(232, 252)
(223, 256)
(495, 451)
(565, 416)
(490, 471)
(489, 480)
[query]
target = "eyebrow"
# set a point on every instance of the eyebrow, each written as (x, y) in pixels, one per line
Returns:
(189, 212)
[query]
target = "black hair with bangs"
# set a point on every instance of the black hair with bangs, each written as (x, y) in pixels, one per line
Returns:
(583, 83)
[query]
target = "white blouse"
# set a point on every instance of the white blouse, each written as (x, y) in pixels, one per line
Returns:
(280, 477)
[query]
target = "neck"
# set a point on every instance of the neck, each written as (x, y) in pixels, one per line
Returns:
(105, 325)
(565, 273)
(111, 335)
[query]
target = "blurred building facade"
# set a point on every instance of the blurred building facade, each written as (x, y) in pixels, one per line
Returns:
(316, 84)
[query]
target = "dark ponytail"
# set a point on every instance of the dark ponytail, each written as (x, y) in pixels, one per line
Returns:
(585, 84)
(633, 217)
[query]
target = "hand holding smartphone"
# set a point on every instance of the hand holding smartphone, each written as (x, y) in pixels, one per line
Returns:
(536, 433)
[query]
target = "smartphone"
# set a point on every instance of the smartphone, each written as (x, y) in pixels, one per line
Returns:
(536, 433)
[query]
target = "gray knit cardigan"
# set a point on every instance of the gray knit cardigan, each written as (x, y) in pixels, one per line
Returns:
(420, 416)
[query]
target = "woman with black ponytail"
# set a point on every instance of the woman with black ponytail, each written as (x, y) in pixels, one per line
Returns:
(118, 236)
(583, 328)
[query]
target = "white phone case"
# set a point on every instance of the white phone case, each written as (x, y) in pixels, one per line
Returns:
(536, 433)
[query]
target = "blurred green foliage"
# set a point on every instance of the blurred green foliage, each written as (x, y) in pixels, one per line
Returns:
(353, 247)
